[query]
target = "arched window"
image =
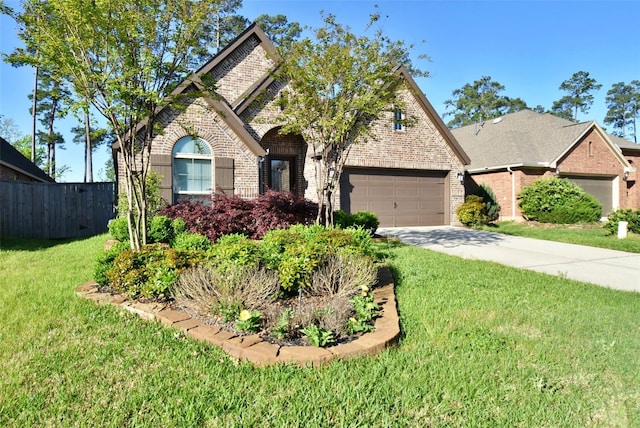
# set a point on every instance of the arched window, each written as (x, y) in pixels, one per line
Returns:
(192, 169)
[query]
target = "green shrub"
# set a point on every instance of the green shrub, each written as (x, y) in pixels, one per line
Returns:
(105, 262)
(492, 208)
(233, 251)
(150, 272)
(191, 241)
(473, 211)
(363, 219)
(179, 226)
(119, 229)
(558, 200)
(160, 229)
(625, 214)
(296, 253)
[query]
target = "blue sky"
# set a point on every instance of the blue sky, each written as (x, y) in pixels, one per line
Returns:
(530, 47)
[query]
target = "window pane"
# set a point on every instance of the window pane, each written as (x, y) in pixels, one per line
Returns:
(191, 145)
(192, 175)
(280, 175)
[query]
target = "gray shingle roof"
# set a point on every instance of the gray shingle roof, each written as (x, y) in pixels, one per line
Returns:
(13, 159)
(522, 138)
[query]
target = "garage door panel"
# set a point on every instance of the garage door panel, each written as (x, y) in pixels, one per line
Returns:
(599, 187)
(398, 197)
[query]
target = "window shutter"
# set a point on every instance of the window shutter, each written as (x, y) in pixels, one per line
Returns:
(162, 165)
(224, 175)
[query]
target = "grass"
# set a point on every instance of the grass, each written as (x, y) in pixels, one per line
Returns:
(482, 345)
(591, 236)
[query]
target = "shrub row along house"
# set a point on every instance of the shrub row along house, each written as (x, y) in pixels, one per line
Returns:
(514, 150)
(230, 142)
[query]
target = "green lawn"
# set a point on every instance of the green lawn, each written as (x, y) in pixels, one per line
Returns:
(482, 345)
(592, 236)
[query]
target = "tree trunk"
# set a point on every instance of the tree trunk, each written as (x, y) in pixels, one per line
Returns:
(33, 116)
(88, 161)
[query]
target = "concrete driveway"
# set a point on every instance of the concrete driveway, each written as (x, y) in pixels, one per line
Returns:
(608, 268)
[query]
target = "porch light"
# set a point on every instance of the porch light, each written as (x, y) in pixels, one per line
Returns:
(461, 177)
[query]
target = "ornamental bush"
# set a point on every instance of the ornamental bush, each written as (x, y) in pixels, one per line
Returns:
(473, 211)
(625, 214)
(558, 200)
(364, 219)
(160, 230)
(228, 215)
(149, 272)
(492, 208)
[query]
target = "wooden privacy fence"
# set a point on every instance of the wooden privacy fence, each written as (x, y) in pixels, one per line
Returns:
(55, 210)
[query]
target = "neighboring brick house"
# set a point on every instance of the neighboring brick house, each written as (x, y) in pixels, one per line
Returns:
(230, 142)
(512, 151)
(14, 166)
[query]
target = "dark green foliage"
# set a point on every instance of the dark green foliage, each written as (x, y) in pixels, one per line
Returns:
(558, 200)
(161, 229)
(191, 241)
(118, 229)
(473, 211)
(626, 214)
(364, 219)
(150, 272)
(492, 208)
(298, 251)
(105, 262)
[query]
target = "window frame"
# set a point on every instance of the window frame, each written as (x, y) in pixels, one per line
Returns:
(193, 194)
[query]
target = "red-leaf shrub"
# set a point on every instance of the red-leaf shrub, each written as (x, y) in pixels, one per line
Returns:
(253, 218)
(279, 210)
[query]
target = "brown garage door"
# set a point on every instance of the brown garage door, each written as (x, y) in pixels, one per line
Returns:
(398, 197)
(600, 187)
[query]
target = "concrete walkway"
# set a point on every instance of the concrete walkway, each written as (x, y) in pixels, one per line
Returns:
(608, 268)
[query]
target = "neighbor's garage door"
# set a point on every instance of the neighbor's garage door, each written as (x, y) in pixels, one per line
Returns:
(600, 187)
(398, 197)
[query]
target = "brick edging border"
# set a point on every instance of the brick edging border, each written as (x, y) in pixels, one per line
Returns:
(253, 348)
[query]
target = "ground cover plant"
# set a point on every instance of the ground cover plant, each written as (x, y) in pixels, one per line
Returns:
(482, 345)
(593, 235)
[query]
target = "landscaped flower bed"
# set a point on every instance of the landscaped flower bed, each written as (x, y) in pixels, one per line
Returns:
(301, 285)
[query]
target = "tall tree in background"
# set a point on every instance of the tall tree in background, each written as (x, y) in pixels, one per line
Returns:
(339, 83)
(21, 142)
(480, 101)
(280, 31)
(623, 104)
(97, 137)
(52, 99)
(579, 97)
(125, 57)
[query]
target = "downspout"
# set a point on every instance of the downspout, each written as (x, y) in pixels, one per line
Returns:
(513, 193)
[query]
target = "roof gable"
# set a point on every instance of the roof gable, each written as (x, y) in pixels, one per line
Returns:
(434, 116)
(13, 159)
(524, 138)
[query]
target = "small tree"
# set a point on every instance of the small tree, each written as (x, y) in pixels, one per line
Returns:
(125, 58)
(339, 84)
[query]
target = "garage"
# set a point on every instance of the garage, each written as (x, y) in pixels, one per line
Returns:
(599, 187)
(397, 197)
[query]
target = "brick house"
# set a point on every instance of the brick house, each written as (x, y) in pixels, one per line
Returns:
(14, 166)
(512, 151)
(230, 143)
